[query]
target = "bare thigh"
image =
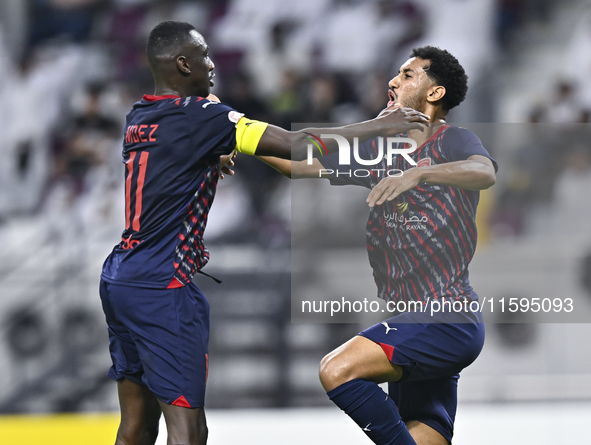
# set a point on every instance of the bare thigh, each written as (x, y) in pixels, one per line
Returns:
(186, 426)
(140, 414)
(424, 434)
(359, 358)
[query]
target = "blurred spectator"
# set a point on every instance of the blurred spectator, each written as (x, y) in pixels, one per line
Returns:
(124, 36)
(564, 107)
(89, 141)
(62, 18)
(361, 36)
(240, 95)
(510, 15)
(273, 36)
(530, 175)
(571, 203)
(259, 180)
(91, 119)
(34, 102)
(584, 116)
(288, 103)
(322, 99)
(14, 25)
(578, 52)
(374, 95)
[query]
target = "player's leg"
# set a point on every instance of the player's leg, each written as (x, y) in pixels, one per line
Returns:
(176, 362)
(428, 407)
(359, 358)
(169, 329)
(424, 434)
(403, 348)
(185, 426)
(140, 410)
(350, 375)
(140, 414)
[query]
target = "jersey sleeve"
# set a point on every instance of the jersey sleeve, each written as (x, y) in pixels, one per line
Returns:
(224, 128)
(353, 174)
(213, 126)
(460, 143)
(248, 135)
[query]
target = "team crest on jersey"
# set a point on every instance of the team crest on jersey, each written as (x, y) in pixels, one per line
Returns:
(404, 218)
(401, 205)
(235, 116)
(424, 162)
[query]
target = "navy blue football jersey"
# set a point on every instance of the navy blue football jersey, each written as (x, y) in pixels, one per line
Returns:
(171, 155)
(419, 244)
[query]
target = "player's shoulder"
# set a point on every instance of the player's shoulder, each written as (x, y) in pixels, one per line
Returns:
(458, 132)
(459, 135)
(208, 109)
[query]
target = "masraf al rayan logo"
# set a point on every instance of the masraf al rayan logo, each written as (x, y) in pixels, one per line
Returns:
(392, 149)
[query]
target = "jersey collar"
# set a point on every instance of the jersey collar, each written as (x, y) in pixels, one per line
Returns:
(151, 98)
(435, 135)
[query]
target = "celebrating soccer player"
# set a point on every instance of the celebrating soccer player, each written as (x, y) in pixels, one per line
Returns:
(421, 236)
(176, 142)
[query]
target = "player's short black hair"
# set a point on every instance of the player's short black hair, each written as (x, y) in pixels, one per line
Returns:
(167, 36)
(447, 72)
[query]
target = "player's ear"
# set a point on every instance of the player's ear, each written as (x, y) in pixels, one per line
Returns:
(183, 65)
(436, 94)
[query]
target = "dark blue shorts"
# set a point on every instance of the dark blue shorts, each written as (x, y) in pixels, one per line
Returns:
(431, 350)
(158, 338)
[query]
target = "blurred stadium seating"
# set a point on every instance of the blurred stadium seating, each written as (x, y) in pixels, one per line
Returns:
(70, 70)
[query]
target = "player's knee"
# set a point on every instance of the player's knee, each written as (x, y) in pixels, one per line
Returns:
(334, 371)
(197, 436)
(193, 432)
(134, 433)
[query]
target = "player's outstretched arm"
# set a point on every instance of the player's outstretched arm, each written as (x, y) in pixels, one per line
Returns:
(284, 144)
(293, 169)
(262, 139)
(475, 173)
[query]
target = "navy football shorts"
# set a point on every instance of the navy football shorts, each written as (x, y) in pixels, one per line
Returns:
(158, 338)
(431, 350)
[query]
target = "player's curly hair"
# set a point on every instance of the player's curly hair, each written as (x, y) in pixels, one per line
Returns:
(447, 72)
(165, 36)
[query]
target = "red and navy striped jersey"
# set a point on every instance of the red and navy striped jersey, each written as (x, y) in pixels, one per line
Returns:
(420, 244)
(171, 153)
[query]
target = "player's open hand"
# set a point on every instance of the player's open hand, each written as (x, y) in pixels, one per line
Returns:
(392, 186)
(226, 164)
(401, 120)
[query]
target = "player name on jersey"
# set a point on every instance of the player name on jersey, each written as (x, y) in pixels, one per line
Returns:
(140, 133)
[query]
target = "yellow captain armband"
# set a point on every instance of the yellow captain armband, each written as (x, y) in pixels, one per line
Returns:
(248, 135)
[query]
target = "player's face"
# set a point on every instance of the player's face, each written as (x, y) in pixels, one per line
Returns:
(411, 86)
(201, 65)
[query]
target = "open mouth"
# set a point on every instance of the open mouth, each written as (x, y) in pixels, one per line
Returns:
(392, 97)
(211, 76)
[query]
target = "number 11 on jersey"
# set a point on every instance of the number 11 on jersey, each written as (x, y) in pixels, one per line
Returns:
(135, 177)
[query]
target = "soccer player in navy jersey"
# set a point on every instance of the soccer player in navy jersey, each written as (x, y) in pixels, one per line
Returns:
(421, 236)
(174, 145)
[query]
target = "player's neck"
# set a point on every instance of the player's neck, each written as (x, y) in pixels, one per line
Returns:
(437, 118)
(167, 91)
(174, 89)
(436, 114)
(420, 137)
